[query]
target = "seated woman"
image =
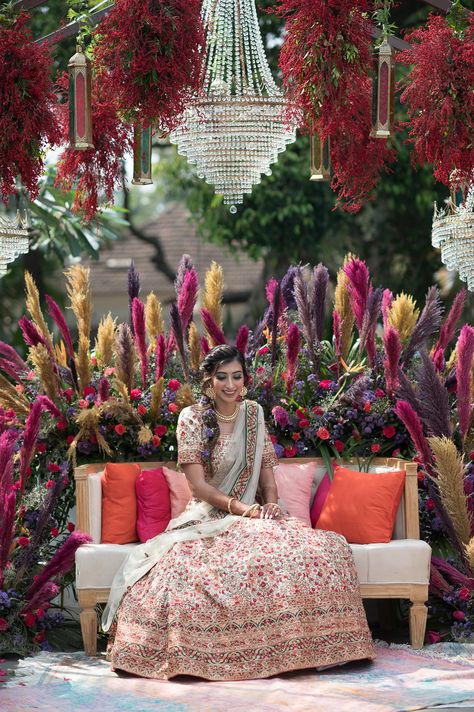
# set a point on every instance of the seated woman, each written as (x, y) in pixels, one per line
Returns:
(233, 590)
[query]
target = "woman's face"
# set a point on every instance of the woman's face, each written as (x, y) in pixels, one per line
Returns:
(228, 381)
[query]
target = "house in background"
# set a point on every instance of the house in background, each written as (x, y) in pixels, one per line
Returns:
(177, 235)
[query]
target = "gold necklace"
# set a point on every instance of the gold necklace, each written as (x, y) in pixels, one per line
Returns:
(227, 418)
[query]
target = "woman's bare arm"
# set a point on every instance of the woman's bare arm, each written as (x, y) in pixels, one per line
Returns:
(206, 492)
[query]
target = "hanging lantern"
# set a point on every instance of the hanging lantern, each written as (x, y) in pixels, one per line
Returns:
(142, 155)
(14, 240)
(383, 93)
(320, 158)
(80, 103)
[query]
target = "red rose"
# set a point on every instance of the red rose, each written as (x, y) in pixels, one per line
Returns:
(300, 413)
(49, 484)
(135, 394)
(53, 467)
(290, 451)
(69, 439)
(263, 350)
(30, 619)
(156, 440)
(61, 425)
(317, 410)
(70, 526)
(421, 476)
(172, 407)
(339, 445)
(83, 403)
(40, 613)
(375, 447)
(174, 384)
(367, 406)
(68, 394)
(323, 434)
(88, 391)
(389, 431)
(23, 540)
(379, 393)
(304, 423)
(160, 430)
(54, 531)
(273, 438)
(459, 615)
(39, 637)
(120, 429)
(464, 594)
(430, 504)
(141, 409)
(41, 447)
(296, 436)
(325, 384)
(433, 636)
(3, 624)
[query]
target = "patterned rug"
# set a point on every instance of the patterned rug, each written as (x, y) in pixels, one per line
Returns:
(399, 679)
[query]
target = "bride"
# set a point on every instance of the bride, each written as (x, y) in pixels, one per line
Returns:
(232, 589)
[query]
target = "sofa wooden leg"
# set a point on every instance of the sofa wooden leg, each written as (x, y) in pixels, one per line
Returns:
(418, 617)
(88, 618)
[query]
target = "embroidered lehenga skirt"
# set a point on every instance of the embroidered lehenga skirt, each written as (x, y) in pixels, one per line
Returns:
(261, 598)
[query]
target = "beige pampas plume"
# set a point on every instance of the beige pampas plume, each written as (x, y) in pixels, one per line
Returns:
(11, 399)
(79, 293)
(449, 466)
(470, 554)
(194, 347)
(144, 435)
(343, 307)
(184, 397)
(153, 319)
(41, 359)
(213, 292)
(105, 341)
(34, 308)
(403, 315)
(156, 398)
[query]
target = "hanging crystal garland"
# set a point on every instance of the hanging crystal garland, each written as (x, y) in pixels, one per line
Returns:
(453, 233)
(13, 240)
(234, 130)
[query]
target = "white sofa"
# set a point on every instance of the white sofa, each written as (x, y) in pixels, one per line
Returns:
(398, 569)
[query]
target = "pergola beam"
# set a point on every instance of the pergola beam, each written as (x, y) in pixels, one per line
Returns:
(28, 4)
(71, 29)
(444, 5)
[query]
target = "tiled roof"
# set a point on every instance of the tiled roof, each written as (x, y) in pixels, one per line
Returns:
(177, 236)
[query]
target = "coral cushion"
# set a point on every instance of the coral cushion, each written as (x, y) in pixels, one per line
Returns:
(180, 494)
(319, 499)
(362, 506)
(153, 503)
(119, 503)
(294, 483)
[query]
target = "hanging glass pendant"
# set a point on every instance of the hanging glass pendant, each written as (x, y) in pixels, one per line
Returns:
(453, 234)
(13, 240)
(235, 128)
(383, 94)
(320, 157)
(142, 155)
(80, 101)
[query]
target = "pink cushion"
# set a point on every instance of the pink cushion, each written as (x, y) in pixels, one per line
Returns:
(319, 499)
(153, 503)
(294, 482)
(180, 494)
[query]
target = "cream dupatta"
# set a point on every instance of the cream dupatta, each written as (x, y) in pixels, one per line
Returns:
(244, 451)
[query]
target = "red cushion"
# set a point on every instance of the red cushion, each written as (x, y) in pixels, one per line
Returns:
(319, 499)
(119, 503)
(362, 506)
(153, 503)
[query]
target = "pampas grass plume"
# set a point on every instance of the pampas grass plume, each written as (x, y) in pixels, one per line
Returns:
(139, 329)
(184, 397)
(125, 356)
(213, 292)
(9, 398)
(470, 553)
(393, 350)
(153, 319)
(449, 466)
(342, 305)
(34, 308)
(412, 423)
(104, 344)
(359, 287)
(465, 352)
(403, 315)
(41, 359)
(194, 347)
(156, 398)
(187, 298)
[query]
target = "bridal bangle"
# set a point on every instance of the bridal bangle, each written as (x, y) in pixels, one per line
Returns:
(229, 504)
(250, 509)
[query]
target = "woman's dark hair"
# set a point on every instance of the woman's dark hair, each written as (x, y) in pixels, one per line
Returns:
(219, 355)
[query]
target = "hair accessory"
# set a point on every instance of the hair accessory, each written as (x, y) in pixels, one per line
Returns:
(210, 393)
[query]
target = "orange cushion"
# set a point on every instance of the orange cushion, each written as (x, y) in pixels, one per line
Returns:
(119, 503)
(362, 506)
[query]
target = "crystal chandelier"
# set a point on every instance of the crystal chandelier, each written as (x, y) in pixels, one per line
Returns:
(13, 240)
(234, 130)
(453, 233)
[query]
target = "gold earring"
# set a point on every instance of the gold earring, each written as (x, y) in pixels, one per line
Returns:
(243, 392)
(210, 393)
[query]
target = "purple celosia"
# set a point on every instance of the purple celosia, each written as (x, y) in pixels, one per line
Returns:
(57, 316)
(276, 310)
(43, 596)
(10, 369)
(393, 350)
(293, 345)
(139, 330)
(185, 265)
(242, 339)
(124, 348)
(387, 300)
(369, 323)
(287, 288)
(449, 327)
(60, 563)
(358, 287)
(177, 329)
(433, 399)
(160, 356)
(304, 311)
(454, 574)
(187, 297)
(465, 352)
(320, 285)
(103, 389)
(133, 287)
(426, 325)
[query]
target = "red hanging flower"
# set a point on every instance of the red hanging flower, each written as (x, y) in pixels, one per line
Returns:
(147, 57)
(96, 172)
(326, 63)
(28, 123)
(438, 96)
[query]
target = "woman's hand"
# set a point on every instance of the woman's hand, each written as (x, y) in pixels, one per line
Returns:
(271, 510)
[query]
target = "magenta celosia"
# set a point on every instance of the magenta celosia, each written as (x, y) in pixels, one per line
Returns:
(187, 297)
(293, 344)
(216, 334)
(465, 352)
(449, 327)
(56, 314)
(412, 423)
(60, 563)
(32, 427)
(242, 339)
(358, 287)
(160, 356)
